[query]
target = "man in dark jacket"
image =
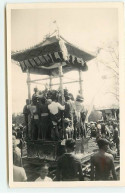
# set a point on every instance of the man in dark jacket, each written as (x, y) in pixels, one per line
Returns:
(69, 167)
(26, 113)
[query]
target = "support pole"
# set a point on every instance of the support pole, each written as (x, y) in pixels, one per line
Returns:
(62, 94)
(28, 84)
(80, 82)
(61, 82)
(50, 82)
(115, 115)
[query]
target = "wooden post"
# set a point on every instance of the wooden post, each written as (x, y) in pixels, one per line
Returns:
(50, 82)
(28, 84)
(80, 82)
(62, 94)
(115, 115)
(61, 82)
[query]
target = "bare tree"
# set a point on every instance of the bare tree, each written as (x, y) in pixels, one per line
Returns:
(108, 58)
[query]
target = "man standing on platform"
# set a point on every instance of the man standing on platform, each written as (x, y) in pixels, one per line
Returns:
(55, 117)
(36, 93)
(33, 108)
(26, 113)
(80, 116)
(69, 167)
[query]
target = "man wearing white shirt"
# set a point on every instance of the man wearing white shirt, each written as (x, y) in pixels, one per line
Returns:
(54, 109)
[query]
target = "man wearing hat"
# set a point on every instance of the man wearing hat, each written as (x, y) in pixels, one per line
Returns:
(102, 165)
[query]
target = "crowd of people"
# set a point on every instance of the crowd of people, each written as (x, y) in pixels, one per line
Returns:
(47, 117)
(108, 130)
(69, 167)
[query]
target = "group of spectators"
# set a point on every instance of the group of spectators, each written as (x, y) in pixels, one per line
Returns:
(108, 130)
(43, 120)
(69, 167)
(49, 118)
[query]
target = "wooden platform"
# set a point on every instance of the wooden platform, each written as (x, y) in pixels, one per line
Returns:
(34, 153)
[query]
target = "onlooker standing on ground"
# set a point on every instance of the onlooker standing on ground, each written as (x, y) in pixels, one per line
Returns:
(116, 137)
(19, 174)
(69, 167)
(43, 172)
(16, 152)
(98, 132)
(102, 163)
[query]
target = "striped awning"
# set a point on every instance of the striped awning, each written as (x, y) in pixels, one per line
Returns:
(46, 57)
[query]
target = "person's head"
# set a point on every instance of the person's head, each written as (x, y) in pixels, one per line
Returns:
(71, 96)
(14, 141)
(13, 126)
(35, 90)
(43, 100)
(115, 125)
(70, 145)
(14, 133)
(67, 97)
(67, 122)
(20, 126)
(99, 126)
(27, 101)
(103, 126)
(54, 98)
(49, 101)
(93, 125)
(103, 144)
(43, 170)
(79, 98)
(40, 92)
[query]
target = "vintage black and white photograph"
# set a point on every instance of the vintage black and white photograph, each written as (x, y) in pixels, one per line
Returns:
(63, 93)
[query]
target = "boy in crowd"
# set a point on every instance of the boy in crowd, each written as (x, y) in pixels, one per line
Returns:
(43, 172)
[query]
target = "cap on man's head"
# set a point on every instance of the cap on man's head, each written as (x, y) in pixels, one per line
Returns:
(102, 142)
(79, 98)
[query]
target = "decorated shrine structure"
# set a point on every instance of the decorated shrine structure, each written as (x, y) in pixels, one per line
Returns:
(53, 57)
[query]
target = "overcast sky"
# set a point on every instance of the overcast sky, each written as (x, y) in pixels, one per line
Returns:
(87, 28)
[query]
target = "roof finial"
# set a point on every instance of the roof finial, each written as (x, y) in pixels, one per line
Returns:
(56, 28)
